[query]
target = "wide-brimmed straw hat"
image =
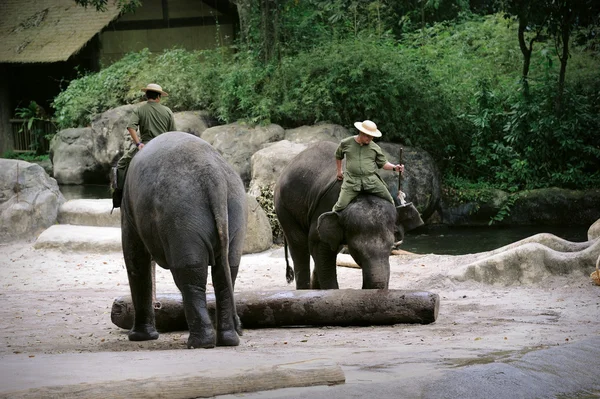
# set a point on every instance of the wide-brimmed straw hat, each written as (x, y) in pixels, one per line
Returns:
(156, 88)
(368, 127)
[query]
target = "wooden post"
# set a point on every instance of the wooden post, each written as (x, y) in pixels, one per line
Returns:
(264, 309)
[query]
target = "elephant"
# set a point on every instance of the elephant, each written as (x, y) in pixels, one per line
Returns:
(304, 196)
(185, 208)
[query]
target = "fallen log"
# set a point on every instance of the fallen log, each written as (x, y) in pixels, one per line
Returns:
(346, 307)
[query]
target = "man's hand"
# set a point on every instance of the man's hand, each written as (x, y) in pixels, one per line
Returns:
(340, 175)
(399, 168)
(140, 146)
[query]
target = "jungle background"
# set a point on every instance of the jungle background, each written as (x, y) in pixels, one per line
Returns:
(503, 94)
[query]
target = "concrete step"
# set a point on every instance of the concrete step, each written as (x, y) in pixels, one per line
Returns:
(89, 212)
(80, 238)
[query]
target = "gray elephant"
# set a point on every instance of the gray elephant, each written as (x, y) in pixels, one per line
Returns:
(304, 195)
(184, 207)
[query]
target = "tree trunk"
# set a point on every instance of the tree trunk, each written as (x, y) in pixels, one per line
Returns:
(304, 307)
(564, 58)
(526, 53)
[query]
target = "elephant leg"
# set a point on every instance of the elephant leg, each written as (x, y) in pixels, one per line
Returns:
(325, 267)
(298, 245)
(225, 317)
(137, 261)
(191, 281)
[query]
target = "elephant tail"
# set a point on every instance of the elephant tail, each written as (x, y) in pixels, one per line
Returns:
(222, 224)
(289, 272)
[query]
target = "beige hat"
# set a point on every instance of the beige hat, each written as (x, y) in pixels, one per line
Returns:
(156, 88)
(368, 127)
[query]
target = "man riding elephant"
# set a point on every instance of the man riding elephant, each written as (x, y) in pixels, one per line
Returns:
(363, 158)
(151, 119)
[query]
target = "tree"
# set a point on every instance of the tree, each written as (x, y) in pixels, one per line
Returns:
(532, 16)
(564, 17)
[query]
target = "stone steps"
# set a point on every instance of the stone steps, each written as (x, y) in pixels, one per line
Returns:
(85, 225)
(88, 225)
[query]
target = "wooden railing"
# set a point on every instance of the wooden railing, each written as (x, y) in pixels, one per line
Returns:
(24, 139)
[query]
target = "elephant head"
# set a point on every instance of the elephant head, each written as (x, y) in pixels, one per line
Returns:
(369, 226)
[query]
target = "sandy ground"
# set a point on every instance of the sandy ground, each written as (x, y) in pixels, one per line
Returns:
(60, 302)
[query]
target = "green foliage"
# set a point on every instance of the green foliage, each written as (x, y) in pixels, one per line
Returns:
(504, 211)
(265, 200)
(452, 88)
(95, 93)
(32, 114)
(25, 156)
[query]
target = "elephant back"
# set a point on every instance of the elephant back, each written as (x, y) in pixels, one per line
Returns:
(306, 180)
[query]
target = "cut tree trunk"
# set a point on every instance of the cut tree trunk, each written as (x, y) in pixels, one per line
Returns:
(345, 307)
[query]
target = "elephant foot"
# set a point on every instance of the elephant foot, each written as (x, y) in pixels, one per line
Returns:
(205, 341)
(228, 338)
(145, 334)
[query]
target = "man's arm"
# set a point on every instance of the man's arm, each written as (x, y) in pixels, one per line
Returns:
(340, 173)
(138, 142)
(391, 166)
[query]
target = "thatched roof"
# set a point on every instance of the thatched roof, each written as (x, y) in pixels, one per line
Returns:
(48, 30)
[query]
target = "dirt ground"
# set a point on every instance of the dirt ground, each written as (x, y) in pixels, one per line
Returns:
(60, 302)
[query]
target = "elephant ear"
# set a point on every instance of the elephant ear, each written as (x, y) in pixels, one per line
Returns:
(330, 230)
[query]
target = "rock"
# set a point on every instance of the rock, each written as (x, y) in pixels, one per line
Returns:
(259, 236)
(315, 133)
(73, 158)
(421, 180)
(194, 122)
(531, 260)
(110, 136)
(237, 143)
(594, 230)
(267, 163)
(85, 155)
(545, 207)
(29, 200)
(555, 207)
(473, 213)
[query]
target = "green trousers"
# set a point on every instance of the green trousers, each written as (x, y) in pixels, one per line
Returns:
(123, 165)
(347, 194)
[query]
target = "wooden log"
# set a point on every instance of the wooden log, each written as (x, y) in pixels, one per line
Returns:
(346, 307)
(214, 382)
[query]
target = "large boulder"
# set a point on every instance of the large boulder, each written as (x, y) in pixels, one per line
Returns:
(29, 200)
(237, 143)
(72, 153)
(421, 181)
(85, 155)
(546, 206)
(194, 122)
(556, 207)
(259, 236)
(267, 164)
(315, 133)
(110, 135)
(456, 212)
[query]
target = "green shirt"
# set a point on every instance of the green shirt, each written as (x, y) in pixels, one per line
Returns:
(152, 119)
(362, 163)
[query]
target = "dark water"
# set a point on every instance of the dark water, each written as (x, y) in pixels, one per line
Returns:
(85, 191)
(465, 240)
(442, 241)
